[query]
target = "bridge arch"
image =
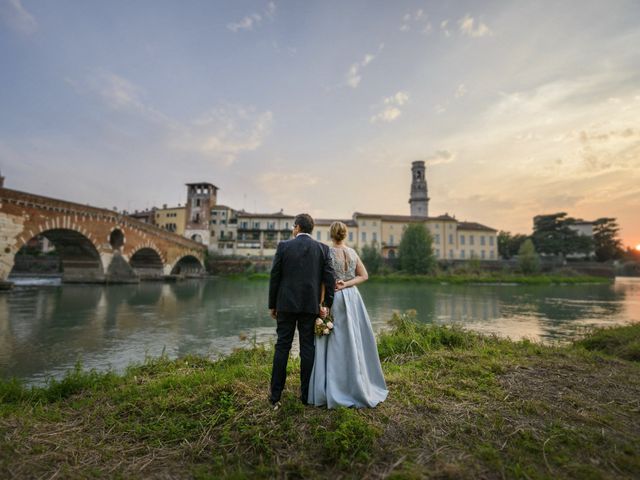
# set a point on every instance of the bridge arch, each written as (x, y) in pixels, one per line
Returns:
(187, 265)
(147, 262)
(79, 255)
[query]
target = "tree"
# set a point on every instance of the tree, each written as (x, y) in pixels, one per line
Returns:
(553, 234)
(528, 258)
(416, 250)
(607, 245)
(371, 258)
(509, 245)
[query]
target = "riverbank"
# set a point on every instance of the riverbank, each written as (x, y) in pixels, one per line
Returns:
(461, 405)
(472, 278)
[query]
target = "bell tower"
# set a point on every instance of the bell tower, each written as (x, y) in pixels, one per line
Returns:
(419, 200)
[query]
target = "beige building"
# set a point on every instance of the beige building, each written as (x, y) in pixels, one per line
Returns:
(258, 234)
(172, 219)
(224, 230)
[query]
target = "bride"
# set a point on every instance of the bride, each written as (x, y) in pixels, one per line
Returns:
(347, 371)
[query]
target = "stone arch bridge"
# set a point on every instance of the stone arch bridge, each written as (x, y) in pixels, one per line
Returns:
(94, 244)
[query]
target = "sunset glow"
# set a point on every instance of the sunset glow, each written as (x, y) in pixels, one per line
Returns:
(638, 247)
(517, 108)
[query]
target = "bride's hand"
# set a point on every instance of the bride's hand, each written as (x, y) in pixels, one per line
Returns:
(339, 285)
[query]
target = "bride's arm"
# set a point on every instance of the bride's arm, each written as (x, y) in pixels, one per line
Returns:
(361, 276)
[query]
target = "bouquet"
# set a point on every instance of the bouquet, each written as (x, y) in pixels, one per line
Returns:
(324, 326)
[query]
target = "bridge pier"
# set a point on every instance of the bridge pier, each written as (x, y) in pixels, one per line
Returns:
(117, 269)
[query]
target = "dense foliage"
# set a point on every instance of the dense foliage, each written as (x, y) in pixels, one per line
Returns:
(528, 258)
(606, 242)
(371, 258)
(509, 245)
(553, 234)
(416, 250)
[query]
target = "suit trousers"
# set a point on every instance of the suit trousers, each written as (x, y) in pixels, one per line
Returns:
(286, 328)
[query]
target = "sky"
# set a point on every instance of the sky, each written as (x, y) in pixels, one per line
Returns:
(517, 108)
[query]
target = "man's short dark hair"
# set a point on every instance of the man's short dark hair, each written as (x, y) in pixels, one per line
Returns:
(305, 222)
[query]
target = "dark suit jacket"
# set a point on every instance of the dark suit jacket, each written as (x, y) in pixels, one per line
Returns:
(300, 267)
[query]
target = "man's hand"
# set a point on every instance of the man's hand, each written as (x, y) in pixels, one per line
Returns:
(274, 313)
(324, 312)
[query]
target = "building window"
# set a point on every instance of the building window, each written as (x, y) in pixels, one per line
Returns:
(224, 214)
(390, 239)
(364, 237)
(318, 235)
(256, 225)
(462, 253)
(491, 241)
(351, 236)
(482, 240)
(213, 222)
(437, 239)
(450, 253)
(245, 224)
(375, 224)
(491, 254)
(374, 237)
(215, 214)
(461, 239)
(437, 252)
(437, 226)
(482, 255)
(364, 223)
(450, 238)
(471, 238)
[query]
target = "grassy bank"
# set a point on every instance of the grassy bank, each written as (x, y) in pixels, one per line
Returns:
(461, 405)
(471, 278)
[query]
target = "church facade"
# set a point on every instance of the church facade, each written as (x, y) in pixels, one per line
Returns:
(242, 233)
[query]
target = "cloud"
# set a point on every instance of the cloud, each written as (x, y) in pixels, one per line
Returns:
(353, 75)
(473, 28)
(116, 91)
(417, 18)
(390, 108)
(224, 133)
(247, 23)
(440, 157)
(220, 134)
(461, 91)
(253, 20)
(444, 26)
(13, 13)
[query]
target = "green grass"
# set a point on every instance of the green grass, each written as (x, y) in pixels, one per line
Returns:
(461, 405)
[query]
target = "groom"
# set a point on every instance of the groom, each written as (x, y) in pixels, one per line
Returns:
(300, 267)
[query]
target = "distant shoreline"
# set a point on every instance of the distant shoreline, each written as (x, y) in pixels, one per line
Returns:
(462, 279)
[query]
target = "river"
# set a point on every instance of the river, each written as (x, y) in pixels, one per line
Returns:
(46, 328)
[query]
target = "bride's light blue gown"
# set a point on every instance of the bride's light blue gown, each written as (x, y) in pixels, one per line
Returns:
(347, 371)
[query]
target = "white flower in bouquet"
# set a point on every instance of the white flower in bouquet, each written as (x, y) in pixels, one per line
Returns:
(326, 331)
(319, 321)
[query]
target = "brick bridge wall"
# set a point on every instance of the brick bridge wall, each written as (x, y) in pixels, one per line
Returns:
(82, 235)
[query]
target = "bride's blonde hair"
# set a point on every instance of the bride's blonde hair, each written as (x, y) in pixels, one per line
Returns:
(338, 231)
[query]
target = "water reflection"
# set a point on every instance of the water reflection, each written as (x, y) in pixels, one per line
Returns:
(44, 330)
